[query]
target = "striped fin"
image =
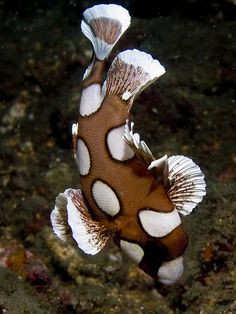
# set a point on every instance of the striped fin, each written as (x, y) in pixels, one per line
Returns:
(131, 72)
(103, 25)
(59, 219)
(187, 184)
(70, 218)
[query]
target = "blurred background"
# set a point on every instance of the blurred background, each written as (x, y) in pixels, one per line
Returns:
(190, 111)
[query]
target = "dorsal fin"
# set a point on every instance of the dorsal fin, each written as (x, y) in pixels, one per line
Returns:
(139, 147)
(157, 167)
(187, 184)
(131, 72)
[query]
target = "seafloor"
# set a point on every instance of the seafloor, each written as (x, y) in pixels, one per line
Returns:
(190, 111)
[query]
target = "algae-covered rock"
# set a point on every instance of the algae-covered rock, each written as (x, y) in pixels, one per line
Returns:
(16, 297)
(100, 281)
(190, 111)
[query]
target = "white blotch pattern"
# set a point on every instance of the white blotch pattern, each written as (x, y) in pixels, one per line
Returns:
(159, 224)
(171, 271)
(133, 250)
(83, 158)
(118, 148)
(74, 129)
(105, 198)
(91, 100)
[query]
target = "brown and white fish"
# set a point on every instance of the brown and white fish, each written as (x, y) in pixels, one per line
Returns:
(126, 193)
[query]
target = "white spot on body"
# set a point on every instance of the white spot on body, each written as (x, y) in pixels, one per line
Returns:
(91, 100)
(75, 128)
(83, 158)
(171, 271)
(159, 224)
(133, 250)
(105, 198)
(118, 148)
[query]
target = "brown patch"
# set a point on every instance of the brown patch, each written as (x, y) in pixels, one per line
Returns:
(154, 255)
(74, 143)
(129, 230)
(96, 74)
(106, 29)
(176, 242)
(140, 168)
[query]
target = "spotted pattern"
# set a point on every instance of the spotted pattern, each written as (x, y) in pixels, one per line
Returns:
(158, 224)
(83, 158)
(133, 250)
(118, 148)
(105, 198)
(171, 271)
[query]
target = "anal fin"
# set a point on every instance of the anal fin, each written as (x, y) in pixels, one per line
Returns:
(71, 218)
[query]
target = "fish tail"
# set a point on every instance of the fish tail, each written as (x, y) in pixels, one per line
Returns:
(103, 25)
(130, 73)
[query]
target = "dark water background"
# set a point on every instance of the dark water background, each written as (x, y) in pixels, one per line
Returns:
(190, 111)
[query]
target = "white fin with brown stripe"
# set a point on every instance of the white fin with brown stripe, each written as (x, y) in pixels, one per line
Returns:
(71, 218)
(131, 72)
(103, 25)
(187, 184)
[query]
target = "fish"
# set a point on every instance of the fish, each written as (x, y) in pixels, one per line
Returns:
(126, 194)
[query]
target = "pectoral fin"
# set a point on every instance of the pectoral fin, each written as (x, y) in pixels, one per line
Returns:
(187, 184)
(71, 218)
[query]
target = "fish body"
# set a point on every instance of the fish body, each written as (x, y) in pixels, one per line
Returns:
(126, 193)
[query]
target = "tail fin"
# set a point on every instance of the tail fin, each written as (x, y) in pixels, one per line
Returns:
(131, 72)
(103, 25)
